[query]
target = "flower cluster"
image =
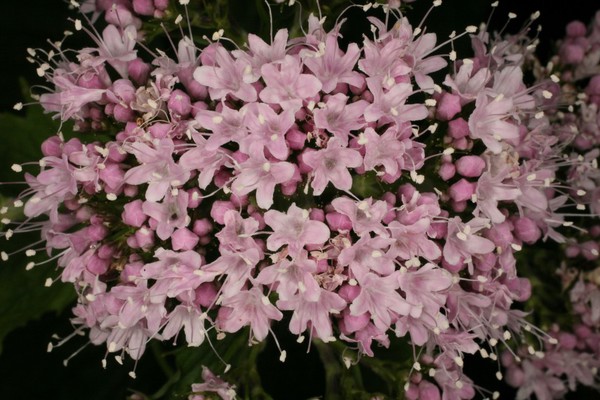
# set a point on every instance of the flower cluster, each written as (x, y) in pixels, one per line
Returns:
(338, 184)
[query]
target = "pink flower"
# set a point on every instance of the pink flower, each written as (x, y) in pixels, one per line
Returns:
(331, 165)
(157, 168)
(286, 85)
(340, 118)
(334, 66)
(226, 77)
(294, 229)
(366, 215)
(268, 129)
(488, 122)
(391, 105)
(170, 214)
(248, 307)
(313, 313)
(212, 384)
(257, 173)
(379, 297)
(463, 243)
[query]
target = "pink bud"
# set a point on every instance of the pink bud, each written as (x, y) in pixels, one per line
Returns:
(143, 7)
(590, 250)
(161, 4)
(520, 288)
(138, 71)
(501, 234)
(458, 128)
(206, 294)
(105, 252)
(526, 230)
(353, 323)
(52, 147)
(218, 210)
(123, 114)
(447, 171)
(133, 215)
(202, 227)
(575, 29)
(349, 292)
(179, 103)
(295, 139)
(470, 166)
(96, 232)
(448, 106)
(572, 53)
(428, 391)
(159, 130)
(515, 376)
(145, 237)
(567, 340)
(317, 214)
(96, 265)
(462, 190)
(184, 239)
(338, 222)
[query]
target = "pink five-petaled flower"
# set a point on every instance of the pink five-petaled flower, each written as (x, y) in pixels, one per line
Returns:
(294, 229)
(365, 215)
(488, 121)
(379, 297)
(226, 77)
(214, 384)
(268, 129)
(171, 214)
(315, 312)
(462, 242)
(334, 66)
(390, 106)
(340, 118)
(157, 168)
(286, 85)
(260, 174)
(261, 53)
(331, 165)
(248, 307)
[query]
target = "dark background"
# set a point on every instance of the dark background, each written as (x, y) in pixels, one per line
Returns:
(26, 370)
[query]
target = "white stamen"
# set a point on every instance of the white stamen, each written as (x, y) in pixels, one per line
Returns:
(48, 282)
(499, 375)
(430, 102)
(132, 374)
(3, 256)
(547, 94)
(282, 356)
(111, 196)
(29, 266)
(437, 3)
(16, 168)
(78, 25)
(471, 29)
(18, 106)
(30, 253)
(512, 15)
